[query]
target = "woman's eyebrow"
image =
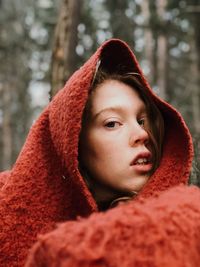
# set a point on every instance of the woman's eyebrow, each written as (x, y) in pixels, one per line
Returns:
(114, 108)
(120, 109)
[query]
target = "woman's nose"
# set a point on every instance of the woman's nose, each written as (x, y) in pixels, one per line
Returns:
(138, 136)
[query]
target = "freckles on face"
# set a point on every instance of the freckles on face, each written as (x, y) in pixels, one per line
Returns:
(113, 140)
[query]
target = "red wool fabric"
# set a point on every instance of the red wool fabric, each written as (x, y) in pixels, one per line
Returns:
(4, 176)
(45, 187)
(162, 231)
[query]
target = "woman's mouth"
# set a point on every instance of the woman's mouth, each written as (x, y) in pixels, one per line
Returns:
(142, 162)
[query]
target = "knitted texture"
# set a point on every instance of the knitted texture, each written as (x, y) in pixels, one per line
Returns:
(45, 187)
(163, 231)
(4, 176)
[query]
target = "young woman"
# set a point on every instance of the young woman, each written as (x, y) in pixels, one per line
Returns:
(121, 138)
(105, 143)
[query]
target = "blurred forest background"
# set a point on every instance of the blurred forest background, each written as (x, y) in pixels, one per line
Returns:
(43, 41)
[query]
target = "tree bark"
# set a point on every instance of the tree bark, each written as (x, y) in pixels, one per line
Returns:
(195, 89)
(65, 41)
(194, 12)
(6, 128)
(162, 52)
(148, 39)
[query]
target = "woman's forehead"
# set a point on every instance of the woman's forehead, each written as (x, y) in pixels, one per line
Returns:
(113, 94)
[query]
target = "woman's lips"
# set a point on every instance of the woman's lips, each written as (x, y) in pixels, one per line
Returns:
(142, 162)
(142, 168)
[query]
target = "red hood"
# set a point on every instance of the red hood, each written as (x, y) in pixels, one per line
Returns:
(45, 185)
(65, 119)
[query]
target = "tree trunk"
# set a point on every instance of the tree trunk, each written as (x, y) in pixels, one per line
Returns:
(148, 40)
(6, 128)
(162, 52)
(64, 50)
(197, 68)
(195, 89)
(193, 11)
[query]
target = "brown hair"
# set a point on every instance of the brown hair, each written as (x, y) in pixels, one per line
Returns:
(156, 125)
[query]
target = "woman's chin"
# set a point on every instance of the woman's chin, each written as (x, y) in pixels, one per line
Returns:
(136, 184)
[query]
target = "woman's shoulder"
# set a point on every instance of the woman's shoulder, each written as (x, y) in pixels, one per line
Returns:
(156, 231)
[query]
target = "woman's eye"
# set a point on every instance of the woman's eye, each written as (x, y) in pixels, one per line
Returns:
(141, 122)
(112, 124)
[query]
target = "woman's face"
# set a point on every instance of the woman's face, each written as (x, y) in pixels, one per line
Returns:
(114, 145)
